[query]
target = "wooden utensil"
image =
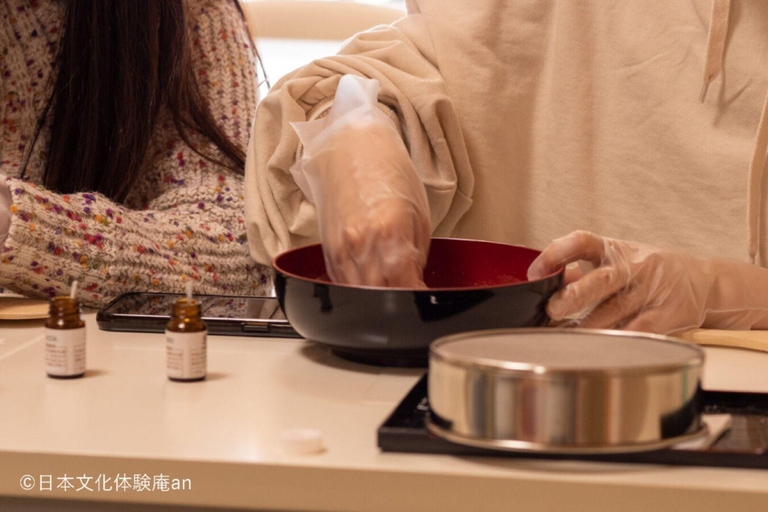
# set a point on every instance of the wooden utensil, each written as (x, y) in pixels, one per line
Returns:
(752, 340)
(20, 308)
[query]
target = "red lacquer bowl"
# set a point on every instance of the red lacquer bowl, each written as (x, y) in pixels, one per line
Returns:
(471, 285)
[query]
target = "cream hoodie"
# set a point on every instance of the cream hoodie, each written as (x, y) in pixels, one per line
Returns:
(528, 119)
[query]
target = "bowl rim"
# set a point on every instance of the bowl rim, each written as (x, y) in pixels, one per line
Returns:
(277, 268)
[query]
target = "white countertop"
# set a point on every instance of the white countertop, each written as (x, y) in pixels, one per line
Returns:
(223, 434)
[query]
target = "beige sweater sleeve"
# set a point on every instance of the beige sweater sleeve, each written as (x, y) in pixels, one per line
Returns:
(400, 56)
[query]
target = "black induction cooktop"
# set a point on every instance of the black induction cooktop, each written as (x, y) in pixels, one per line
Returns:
(744, 445)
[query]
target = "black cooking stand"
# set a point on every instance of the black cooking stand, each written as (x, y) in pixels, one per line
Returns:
(745, 445)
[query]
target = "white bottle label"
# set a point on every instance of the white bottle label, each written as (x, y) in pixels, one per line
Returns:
(65, 351)
(186, 354)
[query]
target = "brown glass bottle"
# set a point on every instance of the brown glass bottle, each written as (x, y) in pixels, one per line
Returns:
(64, 340)
(186, 342)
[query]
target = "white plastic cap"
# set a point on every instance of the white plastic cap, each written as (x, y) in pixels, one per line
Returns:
(302, 441)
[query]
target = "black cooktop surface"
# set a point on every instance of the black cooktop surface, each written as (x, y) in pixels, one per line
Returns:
(744, 445)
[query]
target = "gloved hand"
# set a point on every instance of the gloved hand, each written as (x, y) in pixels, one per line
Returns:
(372, 207)
(5, 209)
(643, 288)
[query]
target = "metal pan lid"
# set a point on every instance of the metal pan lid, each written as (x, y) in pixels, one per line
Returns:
(565, 351)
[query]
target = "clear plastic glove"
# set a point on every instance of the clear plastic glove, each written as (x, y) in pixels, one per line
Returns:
(372, 207)
(643, 288)
(5, 209)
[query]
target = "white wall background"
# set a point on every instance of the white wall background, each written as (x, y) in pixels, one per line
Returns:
(285, 49)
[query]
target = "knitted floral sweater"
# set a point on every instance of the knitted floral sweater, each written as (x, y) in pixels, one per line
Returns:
(183, 219)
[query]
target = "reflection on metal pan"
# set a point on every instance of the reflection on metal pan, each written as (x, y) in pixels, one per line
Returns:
(565, 390)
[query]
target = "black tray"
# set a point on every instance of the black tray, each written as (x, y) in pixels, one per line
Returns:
(745, 445)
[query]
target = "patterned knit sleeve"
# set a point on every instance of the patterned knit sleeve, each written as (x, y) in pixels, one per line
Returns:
(186, 216)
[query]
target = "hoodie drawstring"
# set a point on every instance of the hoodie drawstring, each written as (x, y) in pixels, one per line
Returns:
(718, 33)
(713, 67)
(755, 187)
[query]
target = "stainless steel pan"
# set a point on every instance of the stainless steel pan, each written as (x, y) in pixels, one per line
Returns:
(565, 390)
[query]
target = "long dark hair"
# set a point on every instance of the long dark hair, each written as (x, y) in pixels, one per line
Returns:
(119, 61)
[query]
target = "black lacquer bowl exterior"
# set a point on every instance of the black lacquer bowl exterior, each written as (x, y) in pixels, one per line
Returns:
(472, 285)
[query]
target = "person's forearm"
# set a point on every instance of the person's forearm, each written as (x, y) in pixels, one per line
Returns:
(5, 209)
(738, 297)
(372, 207)
(279, 216)
(640, 287)
(111, 249)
